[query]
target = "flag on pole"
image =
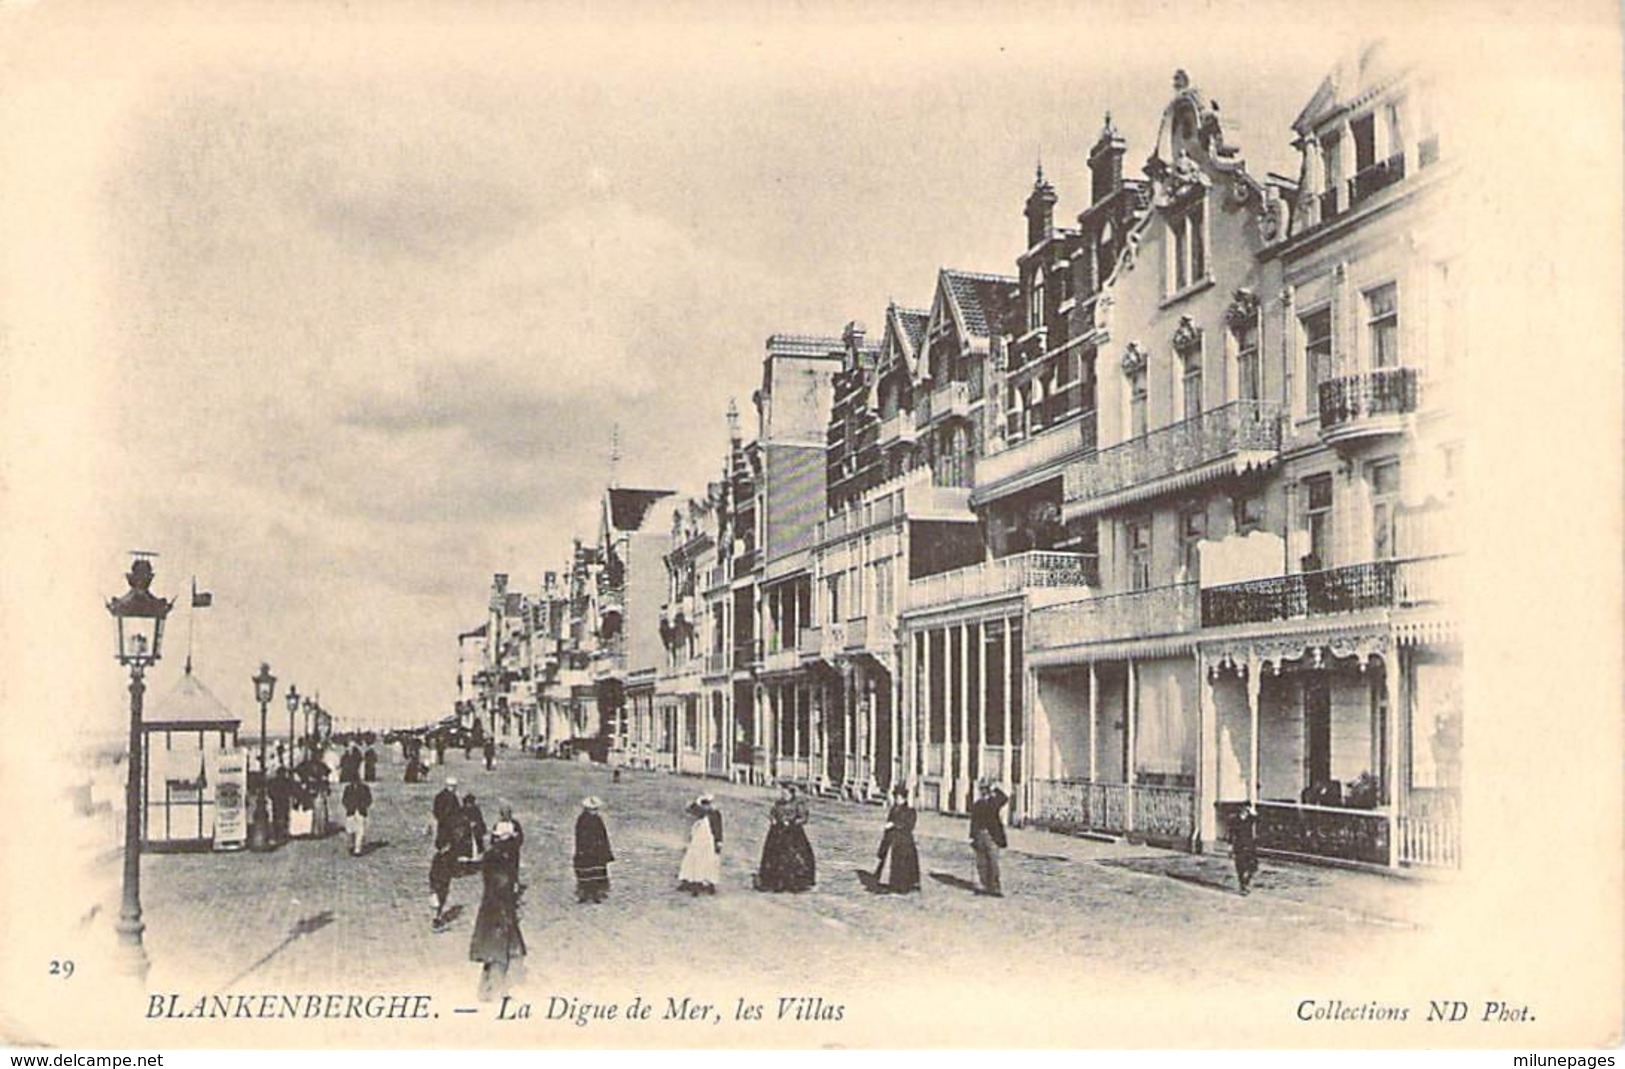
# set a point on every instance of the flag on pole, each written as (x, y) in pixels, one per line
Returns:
(201, 599)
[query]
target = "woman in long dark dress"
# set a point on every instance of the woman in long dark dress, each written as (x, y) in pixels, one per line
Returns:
(497, 940)
(788, 863)
(897, 846)
(592, 856)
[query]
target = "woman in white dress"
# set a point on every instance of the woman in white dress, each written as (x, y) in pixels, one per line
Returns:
(701, 870)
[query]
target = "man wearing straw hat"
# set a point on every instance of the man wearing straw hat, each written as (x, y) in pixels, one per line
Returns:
(592, 856)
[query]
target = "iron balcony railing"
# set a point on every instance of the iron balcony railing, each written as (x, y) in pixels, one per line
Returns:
(1355, 588)
(1165, 610)
(1045, 447)
(1006, 575)
(1238, 427)
(1389, 391)
(1377, 177)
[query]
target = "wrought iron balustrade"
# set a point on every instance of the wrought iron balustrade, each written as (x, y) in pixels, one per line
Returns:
(1392, 391)
(1238, 427)
(1377, 177)
(1322, 831)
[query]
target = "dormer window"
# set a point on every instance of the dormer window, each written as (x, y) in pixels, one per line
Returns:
(1187, 248)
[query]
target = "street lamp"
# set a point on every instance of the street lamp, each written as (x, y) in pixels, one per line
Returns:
(293, 707)
(310, 707)
(140, 616)
(259, 832)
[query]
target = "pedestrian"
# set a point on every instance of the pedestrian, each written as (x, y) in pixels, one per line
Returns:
(897, 845)
(350, 764)
(987, 836)
(474, 823)
(446, 809)
(439, 749)
(357, 801)
(369, 764)
(592, 856)
(281, 792)
(442, 870)
(1244, 845)
(701, 869)
(490, 751)
(787, 863)
(497, 940)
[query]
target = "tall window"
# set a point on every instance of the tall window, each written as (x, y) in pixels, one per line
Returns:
(1035, 301)
(1248, 385)
(1192, 385)
(1317, 493)
(1364, 132)
(1136, 403)
(1139, 554)
(1317, 353)
(1187, 249)
(883, 594)
(1382, 325)
(1384, 482)
(834, 586)
(1192, 529)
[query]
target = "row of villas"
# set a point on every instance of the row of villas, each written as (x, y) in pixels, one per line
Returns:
(1158, 525)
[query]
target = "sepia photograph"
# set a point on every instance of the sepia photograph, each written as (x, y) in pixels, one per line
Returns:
(1082, 525)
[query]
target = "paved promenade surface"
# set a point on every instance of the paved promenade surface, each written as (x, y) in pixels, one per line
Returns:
(309, 917)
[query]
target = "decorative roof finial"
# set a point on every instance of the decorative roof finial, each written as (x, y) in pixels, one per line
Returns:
(614, 455)
(1108, 131)
(733, 419)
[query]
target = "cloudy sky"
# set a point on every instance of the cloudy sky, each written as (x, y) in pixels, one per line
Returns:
(335, 311)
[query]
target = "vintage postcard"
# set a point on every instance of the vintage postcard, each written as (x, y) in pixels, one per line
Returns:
(714, 526)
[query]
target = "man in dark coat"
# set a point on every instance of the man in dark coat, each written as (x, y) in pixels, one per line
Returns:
(1244, 845)
(357, 802)
(474, 825)
(592, 856)
(281, 792)
(350, 764)
(369, 764)
(447, 808)
(987, 836)
(490, 753)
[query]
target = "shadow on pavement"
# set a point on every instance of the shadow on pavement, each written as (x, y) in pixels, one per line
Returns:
(956, 881)
(302, 927)
(870, 882)
(369, 848)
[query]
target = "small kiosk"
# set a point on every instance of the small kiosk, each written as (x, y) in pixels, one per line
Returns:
(189, 754)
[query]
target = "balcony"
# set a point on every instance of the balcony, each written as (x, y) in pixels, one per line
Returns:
(898, 427)
(716, 577)
(744, 564)
(1053, 445)
(1223, 441)
(1368, 404)
(1356, 588)
(1014, 574)
(1167, 610)
(950, 399)
(810, 643)
(1375, 178)
(716, 663)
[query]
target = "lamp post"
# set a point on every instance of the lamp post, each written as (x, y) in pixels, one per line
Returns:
(292, 699)
(259, 832)
(310, 707)
(140, 616)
